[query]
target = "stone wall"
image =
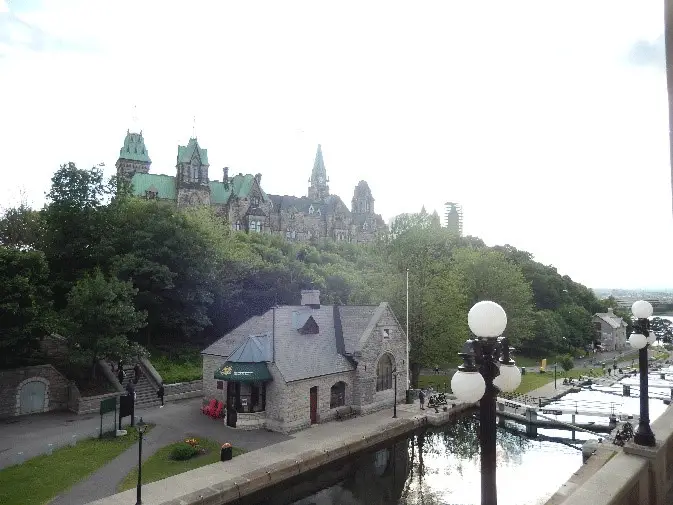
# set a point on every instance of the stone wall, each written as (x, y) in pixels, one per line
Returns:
(635, 476)
(91, 404)
(182, 390)
(366, 399)
(209, 384)
(12, 381)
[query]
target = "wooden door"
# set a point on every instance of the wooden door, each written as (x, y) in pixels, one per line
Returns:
(32, 397)
(314, 404)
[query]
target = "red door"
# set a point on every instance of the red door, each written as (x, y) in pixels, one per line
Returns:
(314, 404)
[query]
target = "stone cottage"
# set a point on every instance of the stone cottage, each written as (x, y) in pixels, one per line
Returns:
(32, 390)
(610, 331)
(294, 366)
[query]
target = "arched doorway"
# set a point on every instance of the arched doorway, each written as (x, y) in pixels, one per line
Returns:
(32, 397)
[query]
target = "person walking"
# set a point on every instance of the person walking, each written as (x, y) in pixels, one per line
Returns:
(137, 371)
(120, 374)
(421, 397)
(160, 394)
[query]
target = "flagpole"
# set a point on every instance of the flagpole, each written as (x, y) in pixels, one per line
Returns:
(408, 364)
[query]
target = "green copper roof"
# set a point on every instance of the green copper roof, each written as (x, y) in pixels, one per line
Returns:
(242, 186)
(134, 148)
(163, 184)
(218, 193)
(185, 153)
(319, 166)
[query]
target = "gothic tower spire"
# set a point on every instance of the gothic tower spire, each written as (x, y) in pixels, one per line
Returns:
(318, 188)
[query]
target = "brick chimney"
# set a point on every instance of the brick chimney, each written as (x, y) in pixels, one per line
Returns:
(311, 297)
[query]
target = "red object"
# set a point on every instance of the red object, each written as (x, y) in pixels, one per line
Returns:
(215, 413)
(210, 408)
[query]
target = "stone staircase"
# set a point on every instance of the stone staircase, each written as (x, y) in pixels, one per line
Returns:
(146, 392)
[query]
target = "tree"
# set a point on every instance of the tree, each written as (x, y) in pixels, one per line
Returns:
(21, 228)
(25, 308)
(100, 314)
(663, 328)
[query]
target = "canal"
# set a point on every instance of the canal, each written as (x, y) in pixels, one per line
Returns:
(439, 466)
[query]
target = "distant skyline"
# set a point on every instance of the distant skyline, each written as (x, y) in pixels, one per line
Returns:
(547, 122)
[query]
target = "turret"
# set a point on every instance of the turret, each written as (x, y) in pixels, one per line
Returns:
(192, 164)
(133, 156)
(363, 201)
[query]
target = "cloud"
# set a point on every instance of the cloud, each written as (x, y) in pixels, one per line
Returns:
(647, 53)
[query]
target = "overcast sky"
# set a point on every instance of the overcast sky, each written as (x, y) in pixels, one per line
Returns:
(546, 120)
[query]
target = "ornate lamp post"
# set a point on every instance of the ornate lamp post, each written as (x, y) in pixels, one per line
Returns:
(487, 369)
(141, 431)
(641, 338)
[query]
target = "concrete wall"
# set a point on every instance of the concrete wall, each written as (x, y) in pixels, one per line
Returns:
(634, 476)
(182, 390)
(11, 382)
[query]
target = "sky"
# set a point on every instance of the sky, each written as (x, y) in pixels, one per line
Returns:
(547, 121)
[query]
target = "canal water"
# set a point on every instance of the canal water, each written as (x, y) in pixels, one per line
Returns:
(440, 466)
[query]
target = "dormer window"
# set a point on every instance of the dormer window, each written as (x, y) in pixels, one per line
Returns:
(311, 210)
(386, 333)
(304, 323)
(255, 201)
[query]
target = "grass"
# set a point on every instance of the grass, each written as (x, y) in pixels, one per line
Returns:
(177, 365)
(160, 466)
(529, 381)
(40, 479)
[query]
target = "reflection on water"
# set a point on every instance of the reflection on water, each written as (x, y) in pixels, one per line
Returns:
(441, 467)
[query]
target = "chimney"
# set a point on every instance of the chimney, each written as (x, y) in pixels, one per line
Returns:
(311, 297)
(610, 312)
(258, 178)
(225, 175)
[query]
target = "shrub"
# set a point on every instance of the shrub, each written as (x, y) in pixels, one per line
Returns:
(183, 451)
(567, 362)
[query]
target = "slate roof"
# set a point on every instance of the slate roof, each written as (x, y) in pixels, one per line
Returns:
(610, 318)
(300, 356)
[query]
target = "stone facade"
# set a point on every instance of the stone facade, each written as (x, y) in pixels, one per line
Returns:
(610, 331)
(51, 387)
(241, 200)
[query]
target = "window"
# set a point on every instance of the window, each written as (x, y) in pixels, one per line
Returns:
(386, 332)
(256, 226)
(311, 210)
(255, 201)
(319, 212)
(238, 226)
(150, 195)
(384, 373)
(337, 395)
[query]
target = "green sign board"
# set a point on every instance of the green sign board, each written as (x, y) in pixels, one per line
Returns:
(109, 405)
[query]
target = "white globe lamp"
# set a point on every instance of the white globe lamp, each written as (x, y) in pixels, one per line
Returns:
(487, 319)
(637, 340)
(641, 309)
(509, 378)
(468, 387)
(652, 338)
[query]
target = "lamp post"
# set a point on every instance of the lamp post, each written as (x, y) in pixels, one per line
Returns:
(395, 397)
(141, 431)
(487, 369)
(640, 339)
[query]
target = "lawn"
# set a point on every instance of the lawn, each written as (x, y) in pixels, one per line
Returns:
(40, 479)
(531, 380)
(177, 365)
(161, 466)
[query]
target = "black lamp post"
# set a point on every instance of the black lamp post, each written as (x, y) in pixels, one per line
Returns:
(395, 398)
(141, 431)
(640, 339)
(486, 370)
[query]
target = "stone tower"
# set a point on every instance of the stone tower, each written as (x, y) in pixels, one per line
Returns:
(318, 188)
(133, 156)
(363, 201)
(191, 181)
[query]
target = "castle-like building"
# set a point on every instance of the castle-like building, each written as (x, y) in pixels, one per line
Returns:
(241, 200)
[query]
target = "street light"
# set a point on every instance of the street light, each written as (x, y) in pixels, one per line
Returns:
(142, 427)
(640, 339)
(395, 372)
(487, 369)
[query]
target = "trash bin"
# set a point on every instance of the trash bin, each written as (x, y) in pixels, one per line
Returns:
(523, 370)
(226, 452)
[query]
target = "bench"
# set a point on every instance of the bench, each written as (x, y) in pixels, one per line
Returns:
(346, 412)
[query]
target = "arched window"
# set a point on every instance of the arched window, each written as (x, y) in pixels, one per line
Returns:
(384, 373)
(238, 225)
(337, 395)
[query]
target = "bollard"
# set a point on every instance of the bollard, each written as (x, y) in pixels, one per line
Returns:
(226, 452)
(626, 389)
(531, 428)
(662, 376)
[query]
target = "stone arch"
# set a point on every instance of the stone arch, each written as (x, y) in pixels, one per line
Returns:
(26, 384)
(384, 372)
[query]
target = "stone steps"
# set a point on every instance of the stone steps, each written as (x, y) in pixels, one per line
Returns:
(146, 394)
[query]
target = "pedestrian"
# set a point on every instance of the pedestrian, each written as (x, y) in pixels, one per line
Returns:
(137, 371)
(160, 394)
(131, 390)
(436, 370)
(421, 397)
(120, 375)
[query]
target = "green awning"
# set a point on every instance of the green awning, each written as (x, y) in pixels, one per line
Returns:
(233, 371)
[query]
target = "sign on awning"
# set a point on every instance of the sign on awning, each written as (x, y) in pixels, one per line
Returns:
(243, 372)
